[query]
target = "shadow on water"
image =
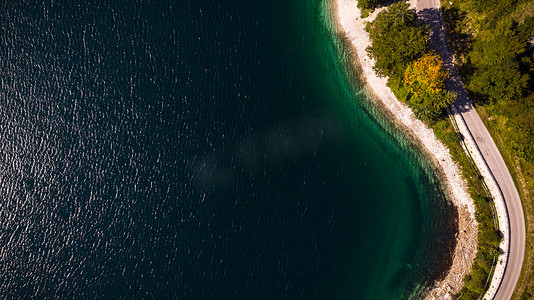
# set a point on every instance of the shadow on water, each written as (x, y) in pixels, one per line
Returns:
(259, 150)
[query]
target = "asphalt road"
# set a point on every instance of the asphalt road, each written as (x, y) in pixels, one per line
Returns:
(429, 11)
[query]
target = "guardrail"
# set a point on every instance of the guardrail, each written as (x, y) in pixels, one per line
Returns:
(484, 186)
(502, 219)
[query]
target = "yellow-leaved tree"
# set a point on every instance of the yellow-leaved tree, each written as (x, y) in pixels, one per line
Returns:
(424, 81)
(425, 75)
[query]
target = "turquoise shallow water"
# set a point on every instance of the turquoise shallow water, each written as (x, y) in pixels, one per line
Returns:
(203, 150)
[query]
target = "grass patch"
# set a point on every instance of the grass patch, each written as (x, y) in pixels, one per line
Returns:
(522, 172)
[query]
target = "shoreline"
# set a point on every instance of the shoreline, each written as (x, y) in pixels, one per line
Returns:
(346, 15)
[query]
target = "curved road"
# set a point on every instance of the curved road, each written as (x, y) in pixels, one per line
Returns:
(430, 12)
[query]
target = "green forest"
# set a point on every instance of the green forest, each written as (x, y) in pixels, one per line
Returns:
(493, 42)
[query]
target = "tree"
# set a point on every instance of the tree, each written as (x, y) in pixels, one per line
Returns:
(367, 4)
(497, 74)
(401, 14)
(429, 106)
(425, 75)
(424, 80)
(500, 82)
(396, 39)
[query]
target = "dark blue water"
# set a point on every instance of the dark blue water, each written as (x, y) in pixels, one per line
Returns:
(202, 150)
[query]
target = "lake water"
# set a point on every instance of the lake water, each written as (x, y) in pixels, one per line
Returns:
(203, 150)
